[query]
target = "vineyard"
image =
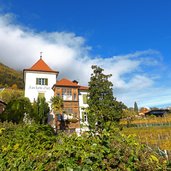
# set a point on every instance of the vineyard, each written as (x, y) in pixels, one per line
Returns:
(153, 136)
(152, 131)
(149, 121)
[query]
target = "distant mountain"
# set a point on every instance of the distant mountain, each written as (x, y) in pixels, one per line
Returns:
(10, 77)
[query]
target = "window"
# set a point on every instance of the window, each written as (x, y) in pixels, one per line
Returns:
(68, 110)
(84, 98)
(41, 81)
(84, 117)
(75, 96)
(41, 95)
(67, 93)
(58, 92)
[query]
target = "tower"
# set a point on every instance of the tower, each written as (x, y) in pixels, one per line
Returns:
(39, 80)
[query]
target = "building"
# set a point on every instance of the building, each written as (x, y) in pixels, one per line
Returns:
(41, 81)
(83, 91)
(157, 112)
(72, 94)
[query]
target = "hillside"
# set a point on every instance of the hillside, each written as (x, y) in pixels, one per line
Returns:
(9, 76)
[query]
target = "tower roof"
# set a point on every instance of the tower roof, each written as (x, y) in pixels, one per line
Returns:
(40, 65)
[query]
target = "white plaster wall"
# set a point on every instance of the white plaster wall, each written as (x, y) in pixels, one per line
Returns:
(82, 105)
(32, 90)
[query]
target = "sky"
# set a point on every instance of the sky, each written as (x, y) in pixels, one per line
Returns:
(129, 39)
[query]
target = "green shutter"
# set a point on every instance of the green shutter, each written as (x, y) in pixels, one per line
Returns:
(37, 80)
(84, 98)
(46, 81)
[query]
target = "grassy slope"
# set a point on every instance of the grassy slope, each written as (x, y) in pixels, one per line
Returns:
(9, 76)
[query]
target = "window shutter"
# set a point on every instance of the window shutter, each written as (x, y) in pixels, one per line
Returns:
(82, 116)
(84, 98)
(46, 81)
(37, 80)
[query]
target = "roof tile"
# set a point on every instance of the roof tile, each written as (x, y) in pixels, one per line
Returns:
(40, 65)
(66, 82)
(83, 88)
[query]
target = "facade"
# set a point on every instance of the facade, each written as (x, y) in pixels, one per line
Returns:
(40, 80)
(71, 93)
(83, 91)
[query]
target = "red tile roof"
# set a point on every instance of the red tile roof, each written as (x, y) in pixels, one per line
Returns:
(83, 88)
(66, 82)
(40, 65)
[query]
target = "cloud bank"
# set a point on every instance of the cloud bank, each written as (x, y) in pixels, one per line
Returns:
(70, 55)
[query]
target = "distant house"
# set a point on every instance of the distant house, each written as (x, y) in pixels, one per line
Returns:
(157, 112)
(2, 106)
(143, 110)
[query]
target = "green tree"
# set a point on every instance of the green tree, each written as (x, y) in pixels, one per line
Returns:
(128, 115)
(8, 94)
(103, 108)
(135, 107)
(57, 108)
(40, 110)
(16, 110)
(57, 104)
(154, 108)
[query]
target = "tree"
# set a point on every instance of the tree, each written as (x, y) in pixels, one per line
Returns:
(135, 107)
(154, 108)
(103, 107)
(57, 108)
(40, 110)
(56, 104)
(128, 115)
(14, 86)
(16, 109)
(8, 94)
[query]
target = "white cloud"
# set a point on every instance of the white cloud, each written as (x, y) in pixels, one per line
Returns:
(69, 54)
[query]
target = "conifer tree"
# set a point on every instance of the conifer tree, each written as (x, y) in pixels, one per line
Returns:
(135, 107)
(40, 110)
(103, 108)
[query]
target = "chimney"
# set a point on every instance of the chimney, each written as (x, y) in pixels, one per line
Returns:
(76, 82)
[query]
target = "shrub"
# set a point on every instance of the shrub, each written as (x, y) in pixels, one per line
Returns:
(35, 147)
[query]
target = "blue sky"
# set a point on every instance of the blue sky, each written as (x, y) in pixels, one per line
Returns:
(129, 38)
